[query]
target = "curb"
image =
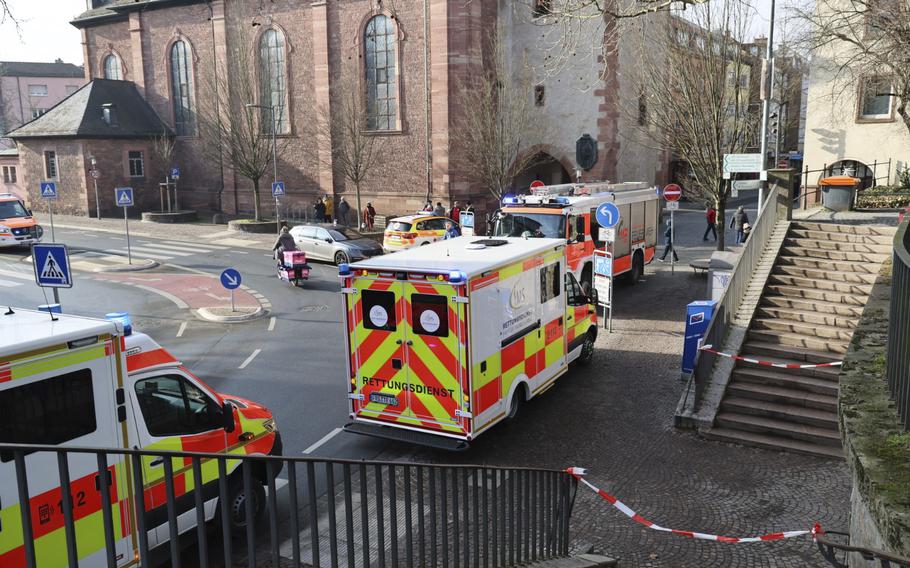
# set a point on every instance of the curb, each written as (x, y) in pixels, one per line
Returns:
(145, 265)
(207, 315)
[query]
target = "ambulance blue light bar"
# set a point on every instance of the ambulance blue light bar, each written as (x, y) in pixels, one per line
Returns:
(123, 318)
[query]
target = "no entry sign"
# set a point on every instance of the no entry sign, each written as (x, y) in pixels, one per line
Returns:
(672, 192)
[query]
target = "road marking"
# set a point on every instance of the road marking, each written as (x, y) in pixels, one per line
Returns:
(181, 330)
(180, 303)
(9, 284)
(215, 297)
(14, 274)
(249, 359)
(272, 323)
(322, 441)
(185, 244)
(162, 249)
(119, 252)
(180, 250)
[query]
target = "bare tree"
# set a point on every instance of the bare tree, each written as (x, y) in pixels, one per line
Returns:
(497, 127)
(231, 130)
(864, 45)
(694, 78)
(345, 128)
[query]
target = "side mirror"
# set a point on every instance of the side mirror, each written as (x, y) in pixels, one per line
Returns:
(30, 214)
(227, 417)
(594, 297)
(328, 241)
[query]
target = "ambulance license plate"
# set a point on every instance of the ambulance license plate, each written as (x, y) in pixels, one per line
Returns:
(386, 399)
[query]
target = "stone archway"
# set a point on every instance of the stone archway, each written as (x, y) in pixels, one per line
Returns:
(545, 168)
(853, 168)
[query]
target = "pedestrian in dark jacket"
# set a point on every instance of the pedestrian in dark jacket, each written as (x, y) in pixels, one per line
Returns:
(343, 209)
(739, 219)
(711, 218)
(369, 216)
(668, 239)
(319, 209)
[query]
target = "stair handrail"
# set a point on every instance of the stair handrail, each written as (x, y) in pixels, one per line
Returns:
(828, 549)
(732, 297)
(898, 348)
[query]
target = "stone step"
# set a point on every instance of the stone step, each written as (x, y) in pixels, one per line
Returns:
(831, 265)
(810, 294)
(789, 352)
(812, 305)
(804, 329)
(765, 425)
(844, 228)
(797, 340)
(811, 283)
(773, 442)
(842, 237)
(783, 395)
(789, 412)
(875, 258)
(820, 274)
(799, 379)
(824, 244)
(807, 316)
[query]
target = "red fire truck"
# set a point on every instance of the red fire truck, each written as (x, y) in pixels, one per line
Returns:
(568, 211)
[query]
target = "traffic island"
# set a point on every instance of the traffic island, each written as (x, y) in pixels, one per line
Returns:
(121, 264)
(250, 226)
(185, 216)
(227, 315)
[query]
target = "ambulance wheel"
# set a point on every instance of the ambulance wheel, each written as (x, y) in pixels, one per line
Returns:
(237, 505)
(638, 268)
(341, 258)
(518, 399)
(587, 349)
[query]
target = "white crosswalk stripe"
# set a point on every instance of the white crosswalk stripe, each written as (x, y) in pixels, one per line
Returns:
(179, 251)
(140, 254)
(9, 284)
(195, 245)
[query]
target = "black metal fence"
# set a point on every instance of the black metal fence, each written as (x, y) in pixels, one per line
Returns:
(898, 355)
(335, 512)
(871, 175)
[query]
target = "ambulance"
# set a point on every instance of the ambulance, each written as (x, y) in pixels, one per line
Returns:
(76, 381)
(567, 211)
(448, 339)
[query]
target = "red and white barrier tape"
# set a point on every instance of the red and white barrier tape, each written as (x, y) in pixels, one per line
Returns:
(769, 363)
(579, 473)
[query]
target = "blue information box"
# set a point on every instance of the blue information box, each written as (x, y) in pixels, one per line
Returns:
(698, 318)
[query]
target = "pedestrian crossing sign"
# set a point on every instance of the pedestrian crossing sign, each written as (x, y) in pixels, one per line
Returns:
(277, 189)
(52, 266)
(124, 196)
(48, 190)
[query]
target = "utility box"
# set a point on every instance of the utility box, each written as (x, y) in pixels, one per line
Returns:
(698, 318)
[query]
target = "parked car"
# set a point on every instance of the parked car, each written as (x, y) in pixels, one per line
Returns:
(336, 244)
(414, 230)
(18, 228)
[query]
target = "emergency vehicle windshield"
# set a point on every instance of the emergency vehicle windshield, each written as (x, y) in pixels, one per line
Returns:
(539, 225)
(12, 209)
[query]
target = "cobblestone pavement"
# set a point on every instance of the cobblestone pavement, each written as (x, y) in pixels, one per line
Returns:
(616, 419)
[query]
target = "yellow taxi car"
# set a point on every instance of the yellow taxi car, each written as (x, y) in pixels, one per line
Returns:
(414, 231)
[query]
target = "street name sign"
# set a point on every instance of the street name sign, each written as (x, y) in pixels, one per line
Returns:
(742, 163)
(52, 266)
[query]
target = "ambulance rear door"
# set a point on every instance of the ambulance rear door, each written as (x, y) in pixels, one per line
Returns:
(64, 394)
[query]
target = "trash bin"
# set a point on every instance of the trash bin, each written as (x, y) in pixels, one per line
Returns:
(838, 192)
(698, 318)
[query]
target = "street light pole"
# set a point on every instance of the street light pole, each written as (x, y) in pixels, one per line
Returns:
(766, 103)
(94, 174)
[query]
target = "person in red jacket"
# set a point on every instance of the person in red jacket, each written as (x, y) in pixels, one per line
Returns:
(455, 213)
(711, 218)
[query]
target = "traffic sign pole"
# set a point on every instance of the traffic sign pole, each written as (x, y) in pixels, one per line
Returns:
(126, 222)
(50, 212)
(672, 243)
(123, 196)
(277, 226)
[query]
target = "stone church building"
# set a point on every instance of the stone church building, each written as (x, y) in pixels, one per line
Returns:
(409, 58)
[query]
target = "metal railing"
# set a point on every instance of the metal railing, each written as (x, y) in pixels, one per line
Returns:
(802, 200)
(729, 302)
(336, 512)
(829, 549)
(898, 353)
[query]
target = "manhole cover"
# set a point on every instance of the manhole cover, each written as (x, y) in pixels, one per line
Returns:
(319, 308)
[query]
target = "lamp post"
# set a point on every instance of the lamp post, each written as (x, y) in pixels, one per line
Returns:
(95, 173)
(766, 103)
(271, 108)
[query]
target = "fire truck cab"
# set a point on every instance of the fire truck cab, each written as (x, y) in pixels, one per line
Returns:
(446, 340)
(567, 211)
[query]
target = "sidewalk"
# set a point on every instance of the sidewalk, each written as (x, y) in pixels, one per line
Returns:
(867, 217)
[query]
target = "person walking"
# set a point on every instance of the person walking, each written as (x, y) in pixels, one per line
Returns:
(319, 210)
(455, 213)
(711, 218)
(439, 210)
(343, 209)
(369, 216)
(740, 219)
(668, 239)
(329, 208)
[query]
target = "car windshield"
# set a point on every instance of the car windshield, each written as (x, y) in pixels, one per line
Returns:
(344, 234)
(10, 209)
(399, 226)
(531, 224)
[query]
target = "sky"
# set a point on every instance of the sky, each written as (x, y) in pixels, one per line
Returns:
(46, 33)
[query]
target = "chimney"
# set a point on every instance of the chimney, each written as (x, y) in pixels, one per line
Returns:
(58, 60)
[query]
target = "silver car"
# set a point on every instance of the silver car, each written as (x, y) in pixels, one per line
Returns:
(336, 244)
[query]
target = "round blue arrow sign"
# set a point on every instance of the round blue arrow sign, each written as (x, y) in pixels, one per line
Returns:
(607, 215)
(230, 278)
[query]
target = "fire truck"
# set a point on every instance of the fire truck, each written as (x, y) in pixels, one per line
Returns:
(446, 340)
(567, 211)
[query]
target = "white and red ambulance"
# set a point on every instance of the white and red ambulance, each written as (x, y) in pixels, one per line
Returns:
(448, 339)
(567, 211)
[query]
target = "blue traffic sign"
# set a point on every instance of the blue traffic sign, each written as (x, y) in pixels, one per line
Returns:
(603, 265)
(607, 215)
(52, 266)
(175, 173)
(277, 189)
(230, 278)
(49, 190)
(124, 196)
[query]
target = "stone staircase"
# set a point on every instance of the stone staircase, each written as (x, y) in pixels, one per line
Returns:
(810, 305)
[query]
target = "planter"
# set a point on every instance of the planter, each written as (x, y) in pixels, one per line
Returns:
(186, 216)
(250, 226)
